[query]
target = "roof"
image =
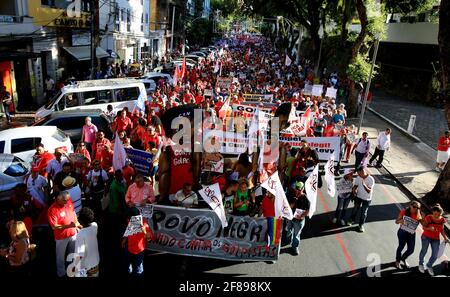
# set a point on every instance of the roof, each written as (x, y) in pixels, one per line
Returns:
(26, 131)
(77, 111)
(102, 83)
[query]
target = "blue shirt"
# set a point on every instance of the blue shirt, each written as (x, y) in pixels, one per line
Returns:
(337, 117)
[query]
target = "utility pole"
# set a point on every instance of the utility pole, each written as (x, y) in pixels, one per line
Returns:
(366, 93)
(93, 38)
(173, 26)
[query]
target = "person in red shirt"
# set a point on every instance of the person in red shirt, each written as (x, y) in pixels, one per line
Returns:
(134, 246)
(64, 223)
(123, 123)
(99, 145)
(443, 149)
(268, 206)
(107, 159)
(41, 159)
(128, 173)
(151, 135)
(433, 227)
(188, 97)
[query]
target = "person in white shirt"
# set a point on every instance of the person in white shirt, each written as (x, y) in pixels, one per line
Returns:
(364, 189)
(345, 192)
(86, 245)
(186, 197)
(56, 164)
(70, 185)
(361, 149)
(37, 186)
(383, 144)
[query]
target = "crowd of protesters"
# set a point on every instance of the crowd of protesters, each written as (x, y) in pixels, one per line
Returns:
(78, 194)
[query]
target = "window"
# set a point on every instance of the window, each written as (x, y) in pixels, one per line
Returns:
(105, 96)
(126, 94)
(24, 144)
(67, 123)
(71, 100)
(16, 168)
(123, 14)
(90, 98)
(2, 146)
(50, 3)
(146, 18)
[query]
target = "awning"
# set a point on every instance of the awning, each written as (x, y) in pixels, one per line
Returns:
(113, 54)
(83, 53)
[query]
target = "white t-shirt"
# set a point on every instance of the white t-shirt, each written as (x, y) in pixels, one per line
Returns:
(54, 166)
(35, 188)
(188, 201)
(361, 191)
(93, 176)
(86, 245)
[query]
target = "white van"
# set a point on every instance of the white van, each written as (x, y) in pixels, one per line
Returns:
(96, 94)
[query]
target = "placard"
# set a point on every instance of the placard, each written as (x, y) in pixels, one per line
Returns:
(258, 97)
(308, 90)
(134, 226)
(208, 93)
(409, 225)
(224, 82)
(331, 93)
(142, 161)
(317, 90)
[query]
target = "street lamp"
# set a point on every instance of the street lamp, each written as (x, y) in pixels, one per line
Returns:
(366, 93)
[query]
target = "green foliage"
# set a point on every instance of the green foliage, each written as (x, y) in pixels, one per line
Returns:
(410, 6)
(200, 31)
(376, 16)
(359, 70)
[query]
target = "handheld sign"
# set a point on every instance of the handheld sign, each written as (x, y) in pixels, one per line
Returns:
(134, 226)
(409, 225)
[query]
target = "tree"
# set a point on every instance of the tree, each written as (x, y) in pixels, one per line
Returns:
(441, 191)
(307, 13)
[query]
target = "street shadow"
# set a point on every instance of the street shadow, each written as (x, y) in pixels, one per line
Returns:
(321, 224)
(389, 270)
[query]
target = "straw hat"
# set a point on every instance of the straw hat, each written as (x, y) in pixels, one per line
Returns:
(68, 182)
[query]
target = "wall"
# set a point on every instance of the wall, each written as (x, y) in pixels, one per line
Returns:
(419, 33)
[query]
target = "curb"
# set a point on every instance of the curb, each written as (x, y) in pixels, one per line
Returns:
(406, 133)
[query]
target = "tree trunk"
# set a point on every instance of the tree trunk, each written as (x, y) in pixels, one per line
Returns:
(441, 191)
(346, 16)
(353, 95)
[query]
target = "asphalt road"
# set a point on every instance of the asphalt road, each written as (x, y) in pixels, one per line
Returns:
(325, 249)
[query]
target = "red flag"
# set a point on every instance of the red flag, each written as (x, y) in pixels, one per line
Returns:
(183, 69)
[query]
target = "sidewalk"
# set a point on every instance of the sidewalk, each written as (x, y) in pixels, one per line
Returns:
(411, 162)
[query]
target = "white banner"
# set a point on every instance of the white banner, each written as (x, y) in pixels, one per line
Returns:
(329, 176)
(246, 111)
(308, 90)
(311, 189)
(331, 93)
(317, 90)
(274, 186)
(211, 194)
(323, 145)
(231, 143)
(258, 97)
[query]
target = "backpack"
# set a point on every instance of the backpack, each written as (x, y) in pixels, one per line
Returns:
(367, 143)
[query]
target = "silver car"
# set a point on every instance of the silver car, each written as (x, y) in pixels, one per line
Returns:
(13, 170)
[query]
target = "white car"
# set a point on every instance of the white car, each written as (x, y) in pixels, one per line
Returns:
(150, 84)
(13, 170)
(156, 76)
(22, 142)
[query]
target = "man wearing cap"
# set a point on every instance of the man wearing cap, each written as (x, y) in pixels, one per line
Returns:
(300, 208)
(345, 190)
(71, 186)
(364, 189)
(443, 149)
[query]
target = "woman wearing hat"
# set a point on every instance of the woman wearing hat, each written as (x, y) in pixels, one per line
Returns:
(345, 192)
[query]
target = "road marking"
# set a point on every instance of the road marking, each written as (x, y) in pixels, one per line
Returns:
(339, 238)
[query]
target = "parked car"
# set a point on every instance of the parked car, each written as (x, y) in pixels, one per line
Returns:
(195, 58)
(150, 84)
(13, 170)
(71, 122)
(156, 76)
(89, 94)
(198, 53)
(22, 142)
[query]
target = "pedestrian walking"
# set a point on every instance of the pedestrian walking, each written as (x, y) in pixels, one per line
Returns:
(383, 144)
(433, 226)
(364, 190)
(345, 192)
(300, 205)
(361, 150)
(86, 245)
(443, 153)
(409, 220)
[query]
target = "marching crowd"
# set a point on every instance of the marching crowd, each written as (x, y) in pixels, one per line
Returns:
(79, 194)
